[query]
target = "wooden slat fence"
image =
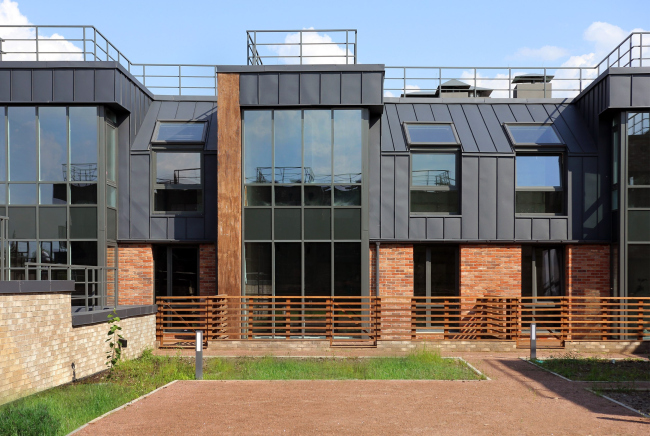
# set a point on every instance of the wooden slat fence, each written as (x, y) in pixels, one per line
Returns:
(364, 320)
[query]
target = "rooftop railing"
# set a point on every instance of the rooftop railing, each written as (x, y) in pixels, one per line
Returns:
(302, 47)
(309, 46)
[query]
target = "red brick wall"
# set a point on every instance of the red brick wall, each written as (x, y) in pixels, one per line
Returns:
(135, 274)
(395, 288)
(490, 269)
(395, 270)
(207, 270)
(587, 271)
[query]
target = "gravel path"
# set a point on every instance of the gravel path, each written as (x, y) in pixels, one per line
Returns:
(519, 400)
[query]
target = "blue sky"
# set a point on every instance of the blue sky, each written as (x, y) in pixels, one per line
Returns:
(484, 33)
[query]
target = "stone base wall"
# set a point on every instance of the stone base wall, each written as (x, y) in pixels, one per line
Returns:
(636, 347)
(38, 344)
(464, 346)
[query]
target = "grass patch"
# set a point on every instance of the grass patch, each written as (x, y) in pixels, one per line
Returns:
(595, 369)
(60, 410)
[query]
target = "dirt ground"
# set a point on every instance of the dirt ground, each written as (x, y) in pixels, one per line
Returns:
(519, 400)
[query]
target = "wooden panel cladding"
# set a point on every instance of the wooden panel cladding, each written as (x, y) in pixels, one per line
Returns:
(229, 253)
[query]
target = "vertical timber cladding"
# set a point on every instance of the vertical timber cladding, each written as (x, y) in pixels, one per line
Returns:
(229, 250)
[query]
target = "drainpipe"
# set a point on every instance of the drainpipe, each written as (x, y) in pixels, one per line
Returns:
(377, 268)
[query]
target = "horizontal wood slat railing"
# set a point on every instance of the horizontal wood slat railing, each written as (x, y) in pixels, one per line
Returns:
(368, 319)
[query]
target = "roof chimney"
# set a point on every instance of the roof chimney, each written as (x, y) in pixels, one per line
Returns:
(453, 89)
(533, 86)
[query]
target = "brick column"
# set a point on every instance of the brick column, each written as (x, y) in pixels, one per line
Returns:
(207, 270)
(135, 274)
(395, 290)
(587, 271)
(490, 269)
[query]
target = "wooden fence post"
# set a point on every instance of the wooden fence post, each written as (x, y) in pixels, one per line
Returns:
(413, 318)
(570, 319)
(159, 325)
(249, 313)
(287, 319)
(639, 333)
(328, 320)
(445, 333)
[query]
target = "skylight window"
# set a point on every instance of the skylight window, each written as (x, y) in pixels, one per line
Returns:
(430, 134)
(179, 132)
(533, 134)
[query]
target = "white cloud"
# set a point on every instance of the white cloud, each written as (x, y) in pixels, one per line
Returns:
(317, 48)
(52, 48)
(546, 53)
(409, 88)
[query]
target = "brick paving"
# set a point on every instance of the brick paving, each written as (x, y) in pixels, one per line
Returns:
(519, 400)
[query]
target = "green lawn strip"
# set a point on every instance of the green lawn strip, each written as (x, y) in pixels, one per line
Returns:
(60, 410)
(598, 370)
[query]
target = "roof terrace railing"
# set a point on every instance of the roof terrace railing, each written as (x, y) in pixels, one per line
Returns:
(301, 47)
(307, 46)
(557, 82)
(634, 51)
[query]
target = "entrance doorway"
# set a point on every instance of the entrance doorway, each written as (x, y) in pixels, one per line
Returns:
(176, 271)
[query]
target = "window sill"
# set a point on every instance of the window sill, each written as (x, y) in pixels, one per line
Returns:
(540, 215)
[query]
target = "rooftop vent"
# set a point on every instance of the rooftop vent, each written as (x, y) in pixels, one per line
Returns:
(533, 86)
(453, 89)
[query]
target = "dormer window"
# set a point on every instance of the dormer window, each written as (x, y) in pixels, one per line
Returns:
(431, 134)
(179, 132)
(533, 134)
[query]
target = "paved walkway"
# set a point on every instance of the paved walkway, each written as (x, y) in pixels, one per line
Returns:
(519, 400)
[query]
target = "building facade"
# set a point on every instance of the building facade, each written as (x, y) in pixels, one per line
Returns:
(308, 180)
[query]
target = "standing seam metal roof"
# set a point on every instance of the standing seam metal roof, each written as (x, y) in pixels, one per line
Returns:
(479, 126)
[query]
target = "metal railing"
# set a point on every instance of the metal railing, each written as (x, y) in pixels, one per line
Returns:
(304, 46)
(634, 51)
(95, 286)
(308, 46)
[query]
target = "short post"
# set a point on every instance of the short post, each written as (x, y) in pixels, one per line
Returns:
(533, 341)
(199, 355)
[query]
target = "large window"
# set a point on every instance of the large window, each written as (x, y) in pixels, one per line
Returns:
(178, 185)
(303, 197)
(542, 271)
(638, 204)
(434, 182)
(49, 184)
(435, 270)
(540, 187)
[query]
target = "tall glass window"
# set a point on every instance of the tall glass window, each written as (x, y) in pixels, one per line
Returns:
(49, 192)
(434, 183)
(303, 179)
(638, 204)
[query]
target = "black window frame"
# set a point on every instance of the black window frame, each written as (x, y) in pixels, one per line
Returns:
(156, 130)
(155, 150)
(411, 143)
(442, 188)
(506, 127)
(562, 270)
(563, 181)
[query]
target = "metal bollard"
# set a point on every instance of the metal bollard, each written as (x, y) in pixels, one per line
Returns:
(533, 341)
(199, 355)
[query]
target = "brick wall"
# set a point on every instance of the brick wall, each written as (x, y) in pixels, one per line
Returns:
(207, 270)
(395, 270)
(587, 271)
(490, 269)
(135, 274)
(395, 288)
(38, 343)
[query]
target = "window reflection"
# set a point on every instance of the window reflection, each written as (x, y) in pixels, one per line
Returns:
(22, 144)
(318, 146)
(178, 168)
(287, 146)
(347, 146)
(53, 140)
(83, 144)
(258, 146)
